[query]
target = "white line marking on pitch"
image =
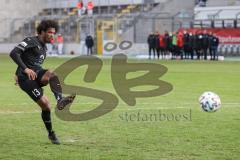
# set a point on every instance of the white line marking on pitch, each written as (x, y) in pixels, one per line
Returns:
(117, 109)
(154, 103)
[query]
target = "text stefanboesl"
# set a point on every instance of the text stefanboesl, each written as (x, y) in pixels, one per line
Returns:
(157, 116)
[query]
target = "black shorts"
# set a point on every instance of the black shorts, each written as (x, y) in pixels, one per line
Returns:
(33, 87)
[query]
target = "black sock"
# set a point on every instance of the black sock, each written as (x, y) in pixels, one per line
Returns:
(56, 87)
(46, 117)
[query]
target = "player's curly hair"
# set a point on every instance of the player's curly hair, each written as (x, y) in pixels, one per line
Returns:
(46, 24)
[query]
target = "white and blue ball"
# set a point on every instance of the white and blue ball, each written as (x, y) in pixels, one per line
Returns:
(209, 101)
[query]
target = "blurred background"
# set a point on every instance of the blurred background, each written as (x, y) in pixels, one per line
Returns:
(120, 20)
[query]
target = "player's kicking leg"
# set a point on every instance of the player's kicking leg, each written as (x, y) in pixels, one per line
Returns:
(52, 79)
(62, 103)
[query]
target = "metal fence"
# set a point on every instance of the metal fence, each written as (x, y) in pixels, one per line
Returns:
(135, 27)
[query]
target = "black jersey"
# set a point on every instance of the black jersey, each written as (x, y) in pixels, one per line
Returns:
(30, 53)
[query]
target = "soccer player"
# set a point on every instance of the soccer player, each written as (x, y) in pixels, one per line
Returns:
(29, 55)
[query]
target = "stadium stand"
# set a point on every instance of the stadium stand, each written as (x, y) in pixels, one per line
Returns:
(213, 3)
(222, 16)
(14, 15)
(118, 20)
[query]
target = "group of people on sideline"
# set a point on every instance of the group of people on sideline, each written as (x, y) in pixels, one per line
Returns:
(183, 45)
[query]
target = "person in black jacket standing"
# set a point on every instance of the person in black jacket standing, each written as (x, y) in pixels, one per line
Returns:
(151, 45)
(157, 44)
(191, 45)
(210, 45)
(186, 46)
(205, 44)
(214, 42)
(89, 44)
(199, 44)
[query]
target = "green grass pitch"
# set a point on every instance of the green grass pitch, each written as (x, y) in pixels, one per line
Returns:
(114, 136)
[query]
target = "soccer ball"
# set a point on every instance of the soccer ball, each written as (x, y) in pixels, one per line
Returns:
(209, 102)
